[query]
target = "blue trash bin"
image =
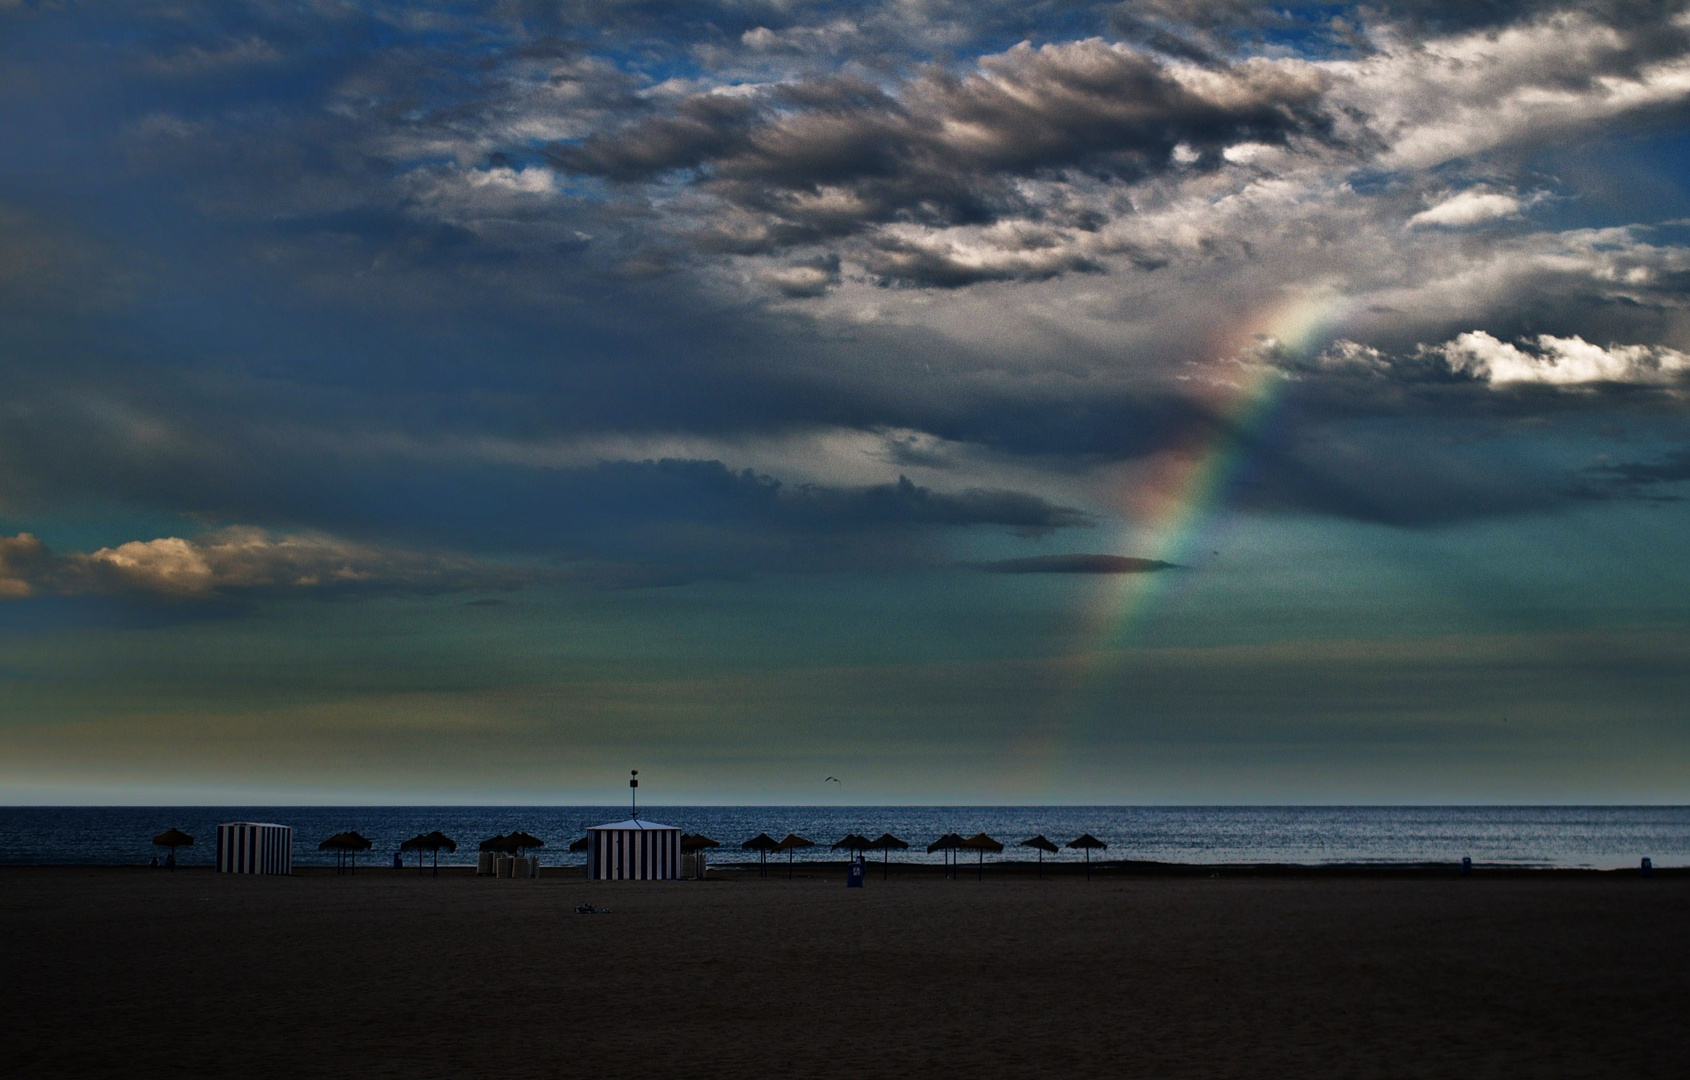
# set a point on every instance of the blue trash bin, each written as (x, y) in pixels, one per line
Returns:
(854, 875)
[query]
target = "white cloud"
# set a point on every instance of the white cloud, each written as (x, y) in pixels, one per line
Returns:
(239, 559)
(1467, 208)
(1556, 361)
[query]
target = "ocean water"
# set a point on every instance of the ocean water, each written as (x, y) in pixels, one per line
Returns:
(1600, 837)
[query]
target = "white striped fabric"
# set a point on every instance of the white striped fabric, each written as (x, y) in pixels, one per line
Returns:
(634, 849)
(249, 847)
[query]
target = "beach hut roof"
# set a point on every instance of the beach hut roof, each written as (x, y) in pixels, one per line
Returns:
(887, 842)
(634, 823)
(1086, 840)
(793, 840)
(1039, 842)
(173, 838)
(981, 842)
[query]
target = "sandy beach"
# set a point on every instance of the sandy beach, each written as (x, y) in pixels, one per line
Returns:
(119, 972)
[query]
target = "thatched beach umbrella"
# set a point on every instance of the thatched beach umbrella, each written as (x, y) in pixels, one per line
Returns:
(948, 844)
(696, 842)
(851, 842)
(762, 843)
(577, 846)
(343, 845)
(1043, 845)
(522, 841)
(432, 842)
(792, 843)
(886, 843)
(497, 843)
(1087, 842)
(173, 839)
(982, 843)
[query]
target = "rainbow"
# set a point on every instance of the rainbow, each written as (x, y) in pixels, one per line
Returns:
(1171, 501)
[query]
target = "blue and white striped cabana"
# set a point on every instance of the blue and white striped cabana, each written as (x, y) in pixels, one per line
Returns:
(251, 847)
(634, 849)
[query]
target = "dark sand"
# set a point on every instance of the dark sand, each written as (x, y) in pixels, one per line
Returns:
(116, 973)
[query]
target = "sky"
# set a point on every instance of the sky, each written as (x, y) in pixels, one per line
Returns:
(995, 401)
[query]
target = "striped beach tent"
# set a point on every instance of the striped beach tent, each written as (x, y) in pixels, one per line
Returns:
(251, 847)
(634, 849)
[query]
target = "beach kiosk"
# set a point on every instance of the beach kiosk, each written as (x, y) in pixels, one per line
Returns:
(251, 847)
(634, 849)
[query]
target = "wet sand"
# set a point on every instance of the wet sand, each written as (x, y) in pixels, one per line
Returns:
(386, 974)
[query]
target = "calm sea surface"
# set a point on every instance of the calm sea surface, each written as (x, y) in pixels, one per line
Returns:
(1572, 836)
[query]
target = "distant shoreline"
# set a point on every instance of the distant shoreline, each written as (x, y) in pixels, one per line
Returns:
(1118, 870)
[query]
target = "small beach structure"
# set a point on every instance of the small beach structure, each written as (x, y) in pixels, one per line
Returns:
(982, 843)
(762, 844)
(1087, 843)
(792, 843)
(346, 846)
(254, 847)
(1043, 846)
(886, 843)
(173, 839)
(948, 844)
(634, 849)
(694, 860)
(488, 852)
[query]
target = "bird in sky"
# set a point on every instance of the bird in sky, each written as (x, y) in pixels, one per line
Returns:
(835, 779)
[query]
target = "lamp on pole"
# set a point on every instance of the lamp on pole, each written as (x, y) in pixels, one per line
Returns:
(634, 791)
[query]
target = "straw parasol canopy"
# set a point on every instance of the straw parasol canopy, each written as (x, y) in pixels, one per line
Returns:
(173, 839)
(982, 843)
(947, 843)
(886, 843)
(762, 843)
(792, 843)
(694, 842)
(497, 843)
(1043, 846)
(580, 845)
(524, 841)
(851, 842)
(343, 845)
(1087, 843)
(432, 842)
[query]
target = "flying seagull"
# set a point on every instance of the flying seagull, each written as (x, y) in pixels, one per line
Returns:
(835, 779)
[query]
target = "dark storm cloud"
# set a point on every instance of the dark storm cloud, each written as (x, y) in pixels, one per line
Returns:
(1077, 564)
(301, 235)
(820, 159)
(1649, 481)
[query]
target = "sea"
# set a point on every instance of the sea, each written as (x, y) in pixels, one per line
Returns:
(1599, 837)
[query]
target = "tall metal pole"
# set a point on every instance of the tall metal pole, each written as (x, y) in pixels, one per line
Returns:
(634, 791)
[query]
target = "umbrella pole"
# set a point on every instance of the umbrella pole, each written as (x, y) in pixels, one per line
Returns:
(1088, 864)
